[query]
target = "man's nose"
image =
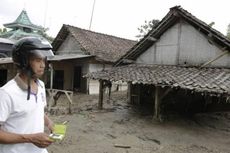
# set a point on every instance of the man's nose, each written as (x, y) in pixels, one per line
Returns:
(43, 65)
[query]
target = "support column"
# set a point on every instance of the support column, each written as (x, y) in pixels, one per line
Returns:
(159, 94)
(157, 103)
(51, 75)
(101, 93)
(129, 93)
(139, 94)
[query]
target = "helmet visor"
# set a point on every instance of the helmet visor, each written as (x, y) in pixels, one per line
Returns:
(41, 53)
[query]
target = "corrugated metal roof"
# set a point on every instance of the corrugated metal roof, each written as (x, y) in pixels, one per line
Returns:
(211, 80)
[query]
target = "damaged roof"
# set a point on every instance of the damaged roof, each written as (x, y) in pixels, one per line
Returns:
(105, 47)
(174, 15)
(208, 80)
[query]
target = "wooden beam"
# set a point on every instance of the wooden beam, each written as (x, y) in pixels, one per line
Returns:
(157, 103)
(101, 92)
(216, 58)
(151, 38)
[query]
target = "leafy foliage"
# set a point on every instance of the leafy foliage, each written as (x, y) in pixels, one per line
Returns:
(144, 29)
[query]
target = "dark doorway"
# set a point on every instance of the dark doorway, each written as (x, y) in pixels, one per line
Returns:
(77, 78)
(3, 76)
(58, 82)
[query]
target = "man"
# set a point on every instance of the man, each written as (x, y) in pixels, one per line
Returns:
(22, 100)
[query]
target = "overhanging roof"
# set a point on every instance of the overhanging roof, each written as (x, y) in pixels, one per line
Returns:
(214, 81)
(8, 60)
(69, 57)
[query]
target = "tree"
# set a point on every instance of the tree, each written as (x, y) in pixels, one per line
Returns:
(45, 35)
(144, 29)
(228, 31)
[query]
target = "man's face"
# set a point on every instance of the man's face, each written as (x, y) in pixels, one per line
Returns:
(38, 65)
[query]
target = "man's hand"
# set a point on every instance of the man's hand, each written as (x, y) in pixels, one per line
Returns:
(41, 140)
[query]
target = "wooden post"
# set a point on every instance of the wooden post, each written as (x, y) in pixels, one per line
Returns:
(157, 103)
(101, 92)
(51, 76)
(129, 93)
(139, 94)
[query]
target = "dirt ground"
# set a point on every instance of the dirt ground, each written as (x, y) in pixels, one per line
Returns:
(122, 128)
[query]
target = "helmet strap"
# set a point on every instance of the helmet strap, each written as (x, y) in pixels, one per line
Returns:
(28, 83)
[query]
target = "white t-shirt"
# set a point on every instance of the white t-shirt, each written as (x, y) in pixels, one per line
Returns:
(21, 116)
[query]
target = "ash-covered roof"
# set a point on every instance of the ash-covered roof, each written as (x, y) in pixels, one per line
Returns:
(105, 47)
(208, 80)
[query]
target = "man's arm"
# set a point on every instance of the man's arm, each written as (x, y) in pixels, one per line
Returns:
(48, 123)
(10, 138)
(39, 139)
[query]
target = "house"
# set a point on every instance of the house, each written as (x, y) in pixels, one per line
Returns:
(5, 47)
(5, 53)
(95, 51)
(182, 63)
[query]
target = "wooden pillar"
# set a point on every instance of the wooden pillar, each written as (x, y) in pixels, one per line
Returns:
(101, 92)
(129, 93)
(139, 94)
(51, 75)
(157, 103)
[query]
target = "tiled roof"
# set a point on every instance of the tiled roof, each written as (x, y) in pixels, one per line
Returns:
(105, 47)
(175, 15)
(209, 80)
(18, 34)
(23, 18)
(23, 21)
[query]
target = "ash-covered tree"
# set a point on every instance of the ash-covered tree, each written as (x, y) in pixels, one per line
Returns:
(144, 29)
